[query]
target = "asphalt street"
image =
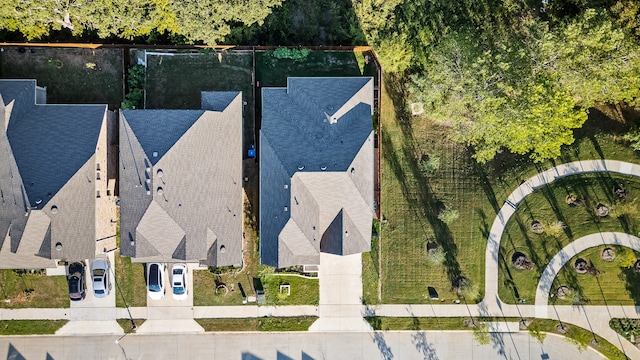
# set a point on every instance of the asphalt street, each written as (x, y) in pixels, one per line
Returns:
(401, 345)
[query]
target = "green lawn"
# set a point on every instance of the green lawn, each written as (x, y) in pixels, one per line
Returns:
(125, 324)
(412, 198)
(548, 204)
(130, 282)
(303, 291)
(35, 290)
(30, 327)
(617, 284)
(67, 75)
(274, 72)
(258, 324)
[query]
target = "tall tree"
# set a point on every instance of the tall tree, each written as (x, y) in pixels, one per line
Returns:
(207, 21)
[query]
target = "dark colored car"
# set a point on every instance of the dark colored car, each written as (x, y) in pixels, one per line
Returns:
(77, 289)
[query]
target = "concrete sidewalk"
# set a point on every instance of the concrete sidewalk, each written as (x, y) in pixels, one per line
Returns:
(574, 248)
(525, 189)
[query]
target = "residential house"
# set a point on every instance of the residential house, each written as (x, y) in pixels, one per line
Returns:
(56, 200)
(316, 170)
(181, 183)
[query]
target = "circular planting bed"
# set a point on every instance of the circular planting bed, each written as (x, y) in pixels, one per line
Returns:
(572, 200)
(620, 192)
(222, 290)
(608, 254)
(537, 227)
(563, 292)
(602, 210)
(581, 266)
(562, 329)
(520, 261)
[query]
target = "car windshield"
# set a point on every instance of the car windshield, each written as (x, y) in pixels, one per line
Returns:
(177, 289)
(73, 285)
(154, 278)
(98, 272)
(99, 291)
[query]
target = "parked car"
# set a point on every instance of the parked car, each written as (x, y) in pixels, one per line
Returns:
(100, 276)
(75, 280)
(179, 281)
(155, 281)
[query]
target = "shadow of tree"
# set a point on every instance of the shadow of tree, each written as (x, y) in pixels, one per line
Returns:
(632, 283)
(424, 203)
(385, 350)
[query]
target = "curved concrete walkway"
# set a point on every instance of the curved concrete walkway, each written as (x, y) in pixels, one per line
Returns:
(571, 250)
(491, 299)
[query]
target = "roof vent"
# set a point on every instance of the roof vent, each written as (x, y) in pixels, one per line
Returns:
(301, 167)
(223, 249)
(353, 171)
(54, 209)
(323, 168)
(148, 169)
(286, 208)
(346, 233)
(160, 173)
(155, 154)
(286, 186)
(148, 192)
(160, 191)
(58, 246)
(38, 201)
(148, 181)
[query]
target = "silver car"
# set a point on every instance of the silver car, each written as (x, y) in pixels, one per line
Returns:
(100, 277)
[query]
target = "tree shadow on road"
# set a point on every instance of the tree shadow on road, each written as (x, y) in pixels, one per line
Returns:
(385, 350)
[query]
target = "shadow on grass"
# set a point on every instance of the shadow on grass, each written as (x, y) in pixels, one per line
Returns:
(632, 283)
(426, 204)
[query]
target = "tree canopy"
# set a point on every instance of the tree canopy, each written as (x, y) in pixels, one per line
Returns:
(207, 21)
(526, 90)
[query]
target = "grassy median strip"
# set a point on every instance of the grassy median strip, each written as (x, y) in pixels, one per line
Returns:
(574, 334)
(30, 327)
(300, 323)
(130, 282)
(125, 324)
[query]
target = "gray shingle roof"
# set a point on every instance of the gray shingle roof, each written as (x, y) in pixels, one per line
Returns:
(186, 203)
(48, 160)
(316, 173)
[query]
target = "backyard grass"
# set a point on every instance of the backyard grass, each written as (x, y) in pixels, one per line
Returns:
(175, 82)
(617, 283)
(413, 196)
(30, 327)
(301, 323)
(71, 76)
(274, 72)
(37, 290)
(130, 282)
(548, 204)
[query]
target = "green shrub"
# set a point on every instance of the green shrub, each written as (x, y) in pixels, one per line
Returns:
(430, 164)
(622, 209)
(292, 54)
(555, 228)
(136, 76)
(448, 216)
(634, 138)
(436, 256)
